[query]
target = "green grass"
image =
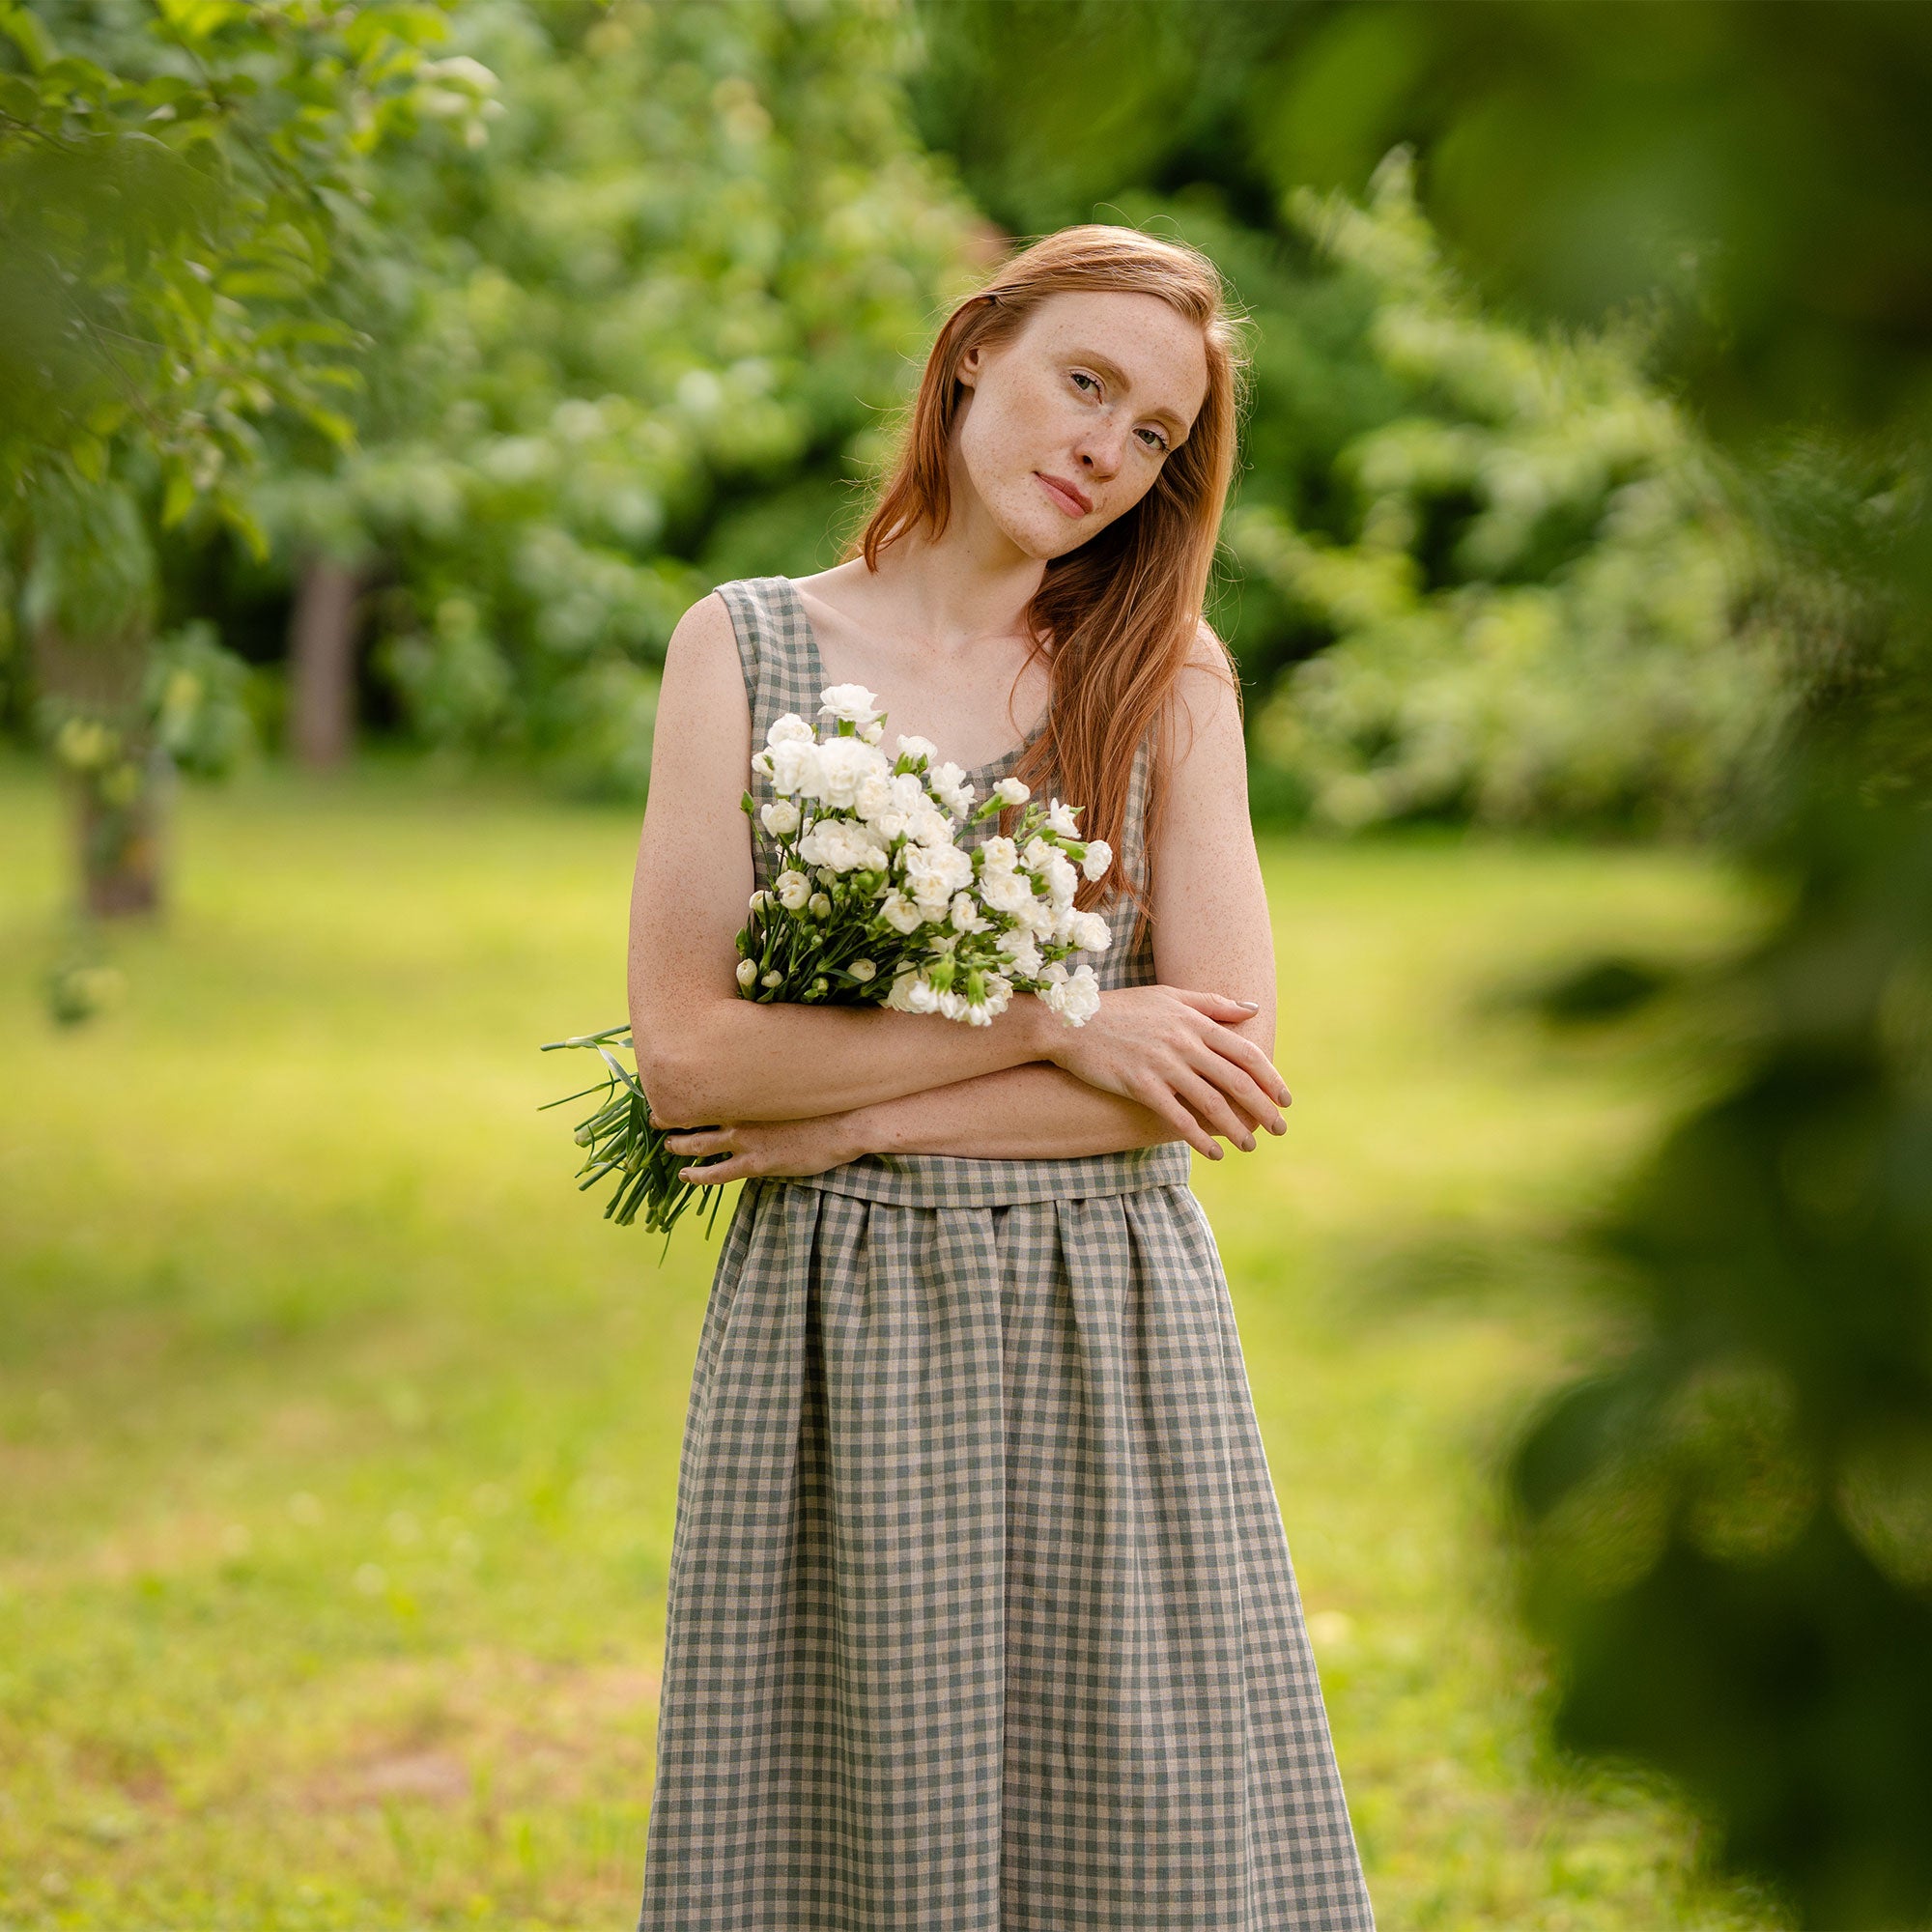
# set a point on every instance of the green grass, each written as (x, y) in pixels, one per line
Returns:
(338, 1436)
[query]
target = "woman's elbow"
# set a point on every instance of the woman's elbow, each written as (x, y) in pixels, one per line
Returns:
(674, 1067)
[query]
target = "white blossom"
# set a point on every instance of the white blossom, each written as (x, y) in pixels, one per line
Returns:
(761, 899)
(1012, 791)
(934, 873)
(901, 914)
(948, 781)
(1099, 857)
(862, 970)
(818, 906)
(1090, 932)
(841, 766)
(842, 846)
(748, 972)
(998, 854)
(1006, 892)
(761, 763)
(793, 889)
(1020, 947)
(794, 763)
(780, 817)
(966, 915)
(921, 996)
(772, 978)
(790, 729)
(852, 704)
(1060, 818)
(1076, 997)
(918, 748)
(1062, 880)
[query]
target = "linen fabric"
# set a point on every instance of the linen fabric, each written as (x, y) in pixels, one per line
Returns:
(980, 1613)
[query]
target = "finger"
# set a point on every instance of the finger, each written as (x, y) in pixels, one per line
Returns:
(700, 1140)
(1160, 1100)
(1216, 1006)
(1216, 1114)
(1238, 1089)
(736, 1168)
(1238, 1048)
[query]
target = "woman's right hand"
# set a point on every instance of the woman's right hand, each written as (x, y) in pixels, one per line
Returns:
(1176, 1051)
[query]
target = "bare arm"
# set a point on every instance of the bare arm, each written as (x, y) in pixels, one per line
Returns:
(1210, 926)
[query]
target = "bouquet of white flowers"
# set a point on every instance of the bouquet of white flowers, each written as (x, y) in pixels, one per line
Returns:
(874, 903)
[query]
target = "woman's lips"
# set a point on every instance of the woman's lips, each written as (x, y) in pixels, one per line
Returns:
(1069, 499)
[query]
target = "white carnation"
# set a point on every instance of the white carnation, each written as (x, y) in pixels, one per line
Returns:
(1060, 818)
(934, 873)
(1012, 791)
(918, 748)
(818, 906)
(901, 914)
(930, 827)
(1006, 892)
(795, 767)
(952, 1005)
(1038, 852)
(761, 763)
(790, 729)
(1076, 998)
(1020, 947)
(966, 915)
(921, 996)
(842, 765)
(852, 704)
(998, 854)
(862, 970)
(1062, 880)
(780, 817)
(842, 846)
(1100, 856)
(1090, 932)
(949, 783)
(793, 889)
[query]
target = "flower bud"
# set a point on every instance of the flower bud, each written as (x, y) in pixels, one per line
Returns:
(748, 972)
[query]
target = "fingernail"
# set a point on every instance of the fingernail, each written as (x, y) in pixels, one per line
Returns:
(1253, 1005)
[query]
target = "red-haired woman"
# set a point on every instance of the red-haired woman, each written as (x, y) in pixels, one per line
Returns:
(980, 1610)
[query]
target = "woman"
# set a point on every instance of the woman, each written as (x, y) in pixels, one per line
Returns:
(980, 1610)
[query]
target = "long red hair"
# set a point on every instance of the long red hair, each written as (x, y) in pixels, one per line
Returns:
(1118, 618)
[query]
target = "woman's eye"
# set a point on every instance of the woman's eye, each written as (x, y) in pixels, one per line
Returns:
(1159, 444)
(1081, 376)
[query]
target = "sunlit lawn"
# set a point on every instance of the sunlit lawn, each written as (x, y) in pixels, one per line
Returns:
(338, 1436)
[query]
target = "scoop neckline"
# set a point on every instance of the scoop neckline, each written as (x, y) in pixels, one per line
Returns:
(819, 682)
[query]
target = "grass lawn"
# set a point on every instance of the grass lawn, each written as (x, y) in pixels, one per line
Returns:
(338, 1436)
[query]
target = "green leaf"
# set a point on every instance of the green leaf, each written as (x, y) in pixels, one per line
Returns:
(30, 36)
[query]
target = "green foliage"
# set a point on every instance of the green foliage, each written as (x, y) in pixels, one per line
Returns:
(170, 182)
(1532, 622)
(680, 281)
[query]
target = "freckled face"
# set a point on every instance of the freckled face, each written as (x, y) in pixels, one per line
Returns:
(1067, 424)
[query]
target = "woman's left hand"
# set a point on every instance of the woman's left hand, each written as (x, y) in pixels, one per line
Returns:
(775, 1147)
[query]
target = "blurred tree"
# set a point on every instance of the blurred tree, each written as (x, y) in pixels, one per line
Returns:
(1487, 572)
(639, 340)
(1534, 623)
(1730, 1524)
(171, 184)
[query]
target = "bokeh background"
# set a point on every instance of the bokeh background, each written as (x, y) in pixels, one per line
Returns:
(378, 384)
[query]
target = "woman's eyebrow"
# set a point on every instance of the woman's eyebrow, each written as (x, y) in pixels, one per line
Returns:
(1119, 378)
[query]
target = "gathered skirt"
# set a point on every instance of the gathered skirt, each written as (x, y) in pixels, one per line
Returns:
(980, 1612)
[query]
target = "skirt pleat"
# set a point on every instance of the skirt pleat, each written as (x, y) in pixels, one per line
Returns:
(980, 1613)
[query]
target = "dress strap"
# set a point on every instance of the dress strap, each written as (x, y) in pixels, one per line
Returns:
(774, 649)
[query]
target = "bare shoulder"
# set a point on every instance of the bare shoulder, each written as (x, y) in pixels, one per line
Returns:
(703, 637)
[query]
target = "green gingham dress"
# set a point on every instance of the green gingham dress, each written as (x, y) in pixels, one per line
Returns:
(979, 1613)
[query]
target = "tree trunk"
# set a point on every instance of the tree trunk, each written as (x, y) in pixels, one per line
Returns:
(121, 840)
(322, 663)
(119, 778)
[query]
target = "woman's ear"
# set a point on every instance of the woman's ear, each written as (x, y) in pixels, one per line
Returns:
(968, 370)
